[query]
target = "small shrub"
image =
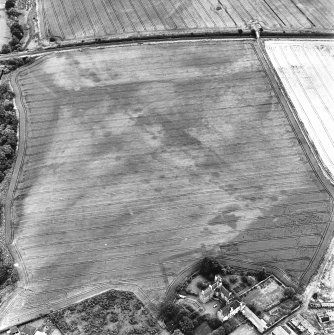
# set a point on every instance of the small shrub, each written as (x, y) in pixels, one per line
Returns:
(289, 292)
(14, 42)
(5, 49)
(253, 308)
(233, 279)
(10, 4)
(17, 30)
(12, 12)
(202, 285)
(251, 281)
(214, 323)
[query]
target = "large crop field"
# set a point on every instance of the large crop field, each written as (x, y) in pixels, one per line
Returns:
(306, 70)
(140, 159)
(86, 19)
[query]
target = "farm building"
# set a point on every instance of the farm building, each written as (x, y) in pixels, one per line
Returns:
(299, 324)
(324, 318)
(230, 310)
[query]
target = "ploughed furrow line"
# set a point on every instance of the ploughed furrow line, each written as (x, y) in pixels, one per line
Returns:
(319, 217)
(172, 178)
(215, 217)
(243, 247)
(144, 157)
(99, 266)
(67, 236)
(34, 252)
(181, 199)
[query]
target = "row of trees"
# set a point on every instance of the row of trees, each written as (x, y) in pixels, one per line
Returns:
(8, 129)
(16, 29)
(210, 267)
(8, 274)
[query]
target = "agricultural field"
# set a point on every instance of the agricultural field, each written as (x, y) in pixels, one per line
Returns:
(85, 19)
(306, 69)
(140, 159)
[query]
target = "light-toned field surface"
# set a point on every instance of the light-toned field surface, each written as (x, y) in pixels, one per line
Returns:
(306, 70)
(245, 329)
(140, 158)
(86, 19)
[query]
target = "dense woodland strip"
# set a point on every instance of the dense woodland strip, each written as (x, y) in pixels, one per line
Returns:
(16, 28)
(8, 129)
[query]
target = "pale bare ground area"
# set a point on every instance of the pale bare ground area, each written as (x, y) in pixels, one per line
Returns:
(245, 329)
(5, 35)
(306, 69)
(325, 285)
(84, 19)
(142, 158)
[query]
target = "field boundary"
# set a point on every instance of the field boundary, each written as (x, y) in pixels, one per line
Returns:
(306, 146)
(8, 217)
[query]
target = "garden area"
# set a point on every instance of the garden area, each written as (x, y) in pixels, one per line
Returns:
(234, 280)
(266, 295)
(271, 300)
(188, 315)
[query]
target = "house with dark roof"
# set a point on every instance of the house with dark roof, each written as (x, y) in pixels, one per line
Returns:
(230, 310)
(323, 318)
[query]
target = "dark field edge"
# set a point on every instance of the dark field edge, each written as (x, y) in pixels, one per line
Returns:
(161, 36)
(196, 33)
(311, 155)
(289, 112)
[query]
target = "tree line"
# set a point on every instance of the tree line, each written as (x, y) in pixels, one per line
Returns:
(8, 129)
(16, 29)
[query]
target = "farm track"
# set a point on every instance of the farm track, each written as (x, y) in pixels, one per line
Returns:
(109, 19)
(35, 275)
